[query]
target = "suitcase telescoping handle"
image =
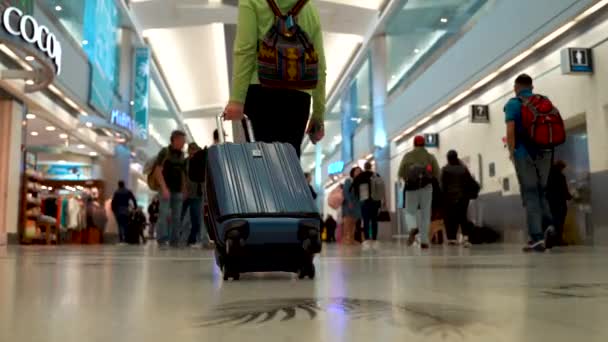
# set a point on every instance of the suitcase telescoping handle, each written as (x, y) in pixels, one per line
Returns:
(246, 123)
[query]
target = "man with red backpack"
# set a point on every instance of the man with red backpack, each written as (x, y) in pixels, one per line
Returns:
(534, 129)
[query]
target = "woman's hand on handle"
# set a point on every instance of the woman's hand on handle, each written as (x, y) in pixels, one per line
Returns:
(234, 111)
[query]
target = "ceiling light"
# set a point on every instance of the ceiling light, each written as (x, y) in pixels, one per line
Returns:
(30, 58)
(93, 154)
(58, 8)
(30, 82)
(89, 124)
(416, 50)
(61, 161)
(444, 20)
(85, 42)
(30, 116)
(132, 103)
(63, 136)
(50, 128)
(81, 146)
(34, 134)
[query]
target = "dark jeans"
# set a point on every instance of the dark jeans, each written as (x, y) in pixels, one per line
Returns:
(195, 207)
(455, 217)
(123, 224)
(370, 210)
(278, 115)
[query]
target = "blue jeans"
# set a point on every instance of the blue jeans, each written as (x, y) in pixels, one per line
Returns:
(168, 228)
(419, 199)
(533, 173)
(194, 206)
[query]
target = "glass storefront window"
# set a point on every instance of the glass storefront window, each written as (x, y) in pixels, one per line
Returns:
(420, 28)
(70, 15)
(363, 101)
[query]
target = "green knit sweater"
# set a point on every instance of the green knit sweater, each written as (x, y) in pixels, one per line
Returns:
(255, 20)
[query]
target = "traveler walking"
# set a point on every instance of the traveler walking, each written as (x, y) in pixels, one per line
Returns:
(267, 92)
(170, 174)
(193, 204)
(534, 128)
(351, 209)
(418, 169)
(369, 190)
(456, 182)
(558, 195)
(153, 210)
(122, 201)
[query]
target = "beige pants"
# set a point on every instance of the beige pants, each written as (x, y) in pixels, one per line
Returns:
(348, 233)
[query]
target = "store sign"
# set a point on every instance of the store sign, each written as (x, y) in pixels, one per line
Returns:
(480, 114)
(124, 120)
(121, 119)
(431, 140)
(66, 172)
(335, 168)
(577, 60)
(26, 27)
(141, 105)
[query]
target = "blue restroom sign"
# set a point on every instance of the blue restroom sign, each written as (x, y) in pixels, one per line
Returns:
(577, 60)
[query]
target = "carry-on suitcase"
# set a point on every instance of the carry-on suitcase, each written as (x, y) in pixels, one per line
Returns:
(260, 208)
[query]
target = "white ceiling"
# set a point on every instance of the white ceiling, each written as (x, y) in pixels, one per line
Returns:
(40, 133)
(188, 40)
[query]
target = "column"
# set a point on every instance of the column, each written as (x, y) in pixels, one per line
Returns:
(347, 127)
(11, 160)
(116, 168)
(378, 62)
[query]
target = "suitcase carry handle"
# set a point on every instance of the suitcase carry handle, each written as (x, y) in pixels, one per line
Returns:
(220, 128)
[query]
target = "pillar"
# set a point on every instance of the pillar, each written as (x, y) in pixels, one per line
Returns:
(11, 160)
(116, 168)
(379, 76)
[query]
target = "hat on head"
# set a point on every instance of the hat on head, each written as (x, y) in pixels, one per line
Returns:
(419, 141)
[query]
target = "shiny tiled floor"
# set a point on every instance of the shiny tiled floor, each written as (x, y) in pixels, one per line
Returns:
(489, 293)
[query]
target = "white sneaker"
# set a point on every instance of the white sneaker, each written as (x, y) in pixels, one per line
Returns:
(366, 245)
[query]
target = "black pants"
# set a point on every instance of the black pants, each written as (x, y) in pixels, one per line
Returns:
(559, 211)
(278, 115)
(369, 211)
(456, 216)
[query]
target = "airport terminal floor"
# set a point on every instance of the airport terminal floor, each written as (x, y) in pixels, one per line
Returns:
(394, 293)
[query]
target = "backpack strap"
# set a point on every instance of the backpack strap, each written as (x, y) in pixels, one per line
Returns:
(275, 8)
(298, 7)
(293, 12)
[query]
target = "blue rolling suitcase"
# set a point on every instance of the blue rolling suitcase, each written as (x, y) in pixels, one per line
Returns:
(260, 209)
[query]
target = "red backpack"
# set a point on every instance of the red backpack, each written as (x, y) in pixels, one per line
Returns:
(542, 122)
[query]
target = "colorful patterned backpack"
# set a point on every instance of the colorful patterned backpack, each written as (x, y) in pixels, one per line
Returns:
(286, 55)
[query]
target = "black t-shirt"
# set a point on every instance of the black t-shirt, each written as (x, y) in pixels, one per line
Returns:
(174, 168)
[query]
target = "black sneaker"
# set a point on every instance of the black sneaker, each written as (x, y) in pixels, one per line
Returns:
(412, 238)
(538, 247)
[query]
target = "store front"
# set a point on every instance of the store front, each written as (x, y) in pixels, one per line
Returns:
(67, 133)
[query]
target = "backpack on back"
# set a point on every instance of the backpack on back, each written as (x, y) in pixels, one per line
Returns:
(542, 122)
(151, 180)
(286, 55)
(419, 176)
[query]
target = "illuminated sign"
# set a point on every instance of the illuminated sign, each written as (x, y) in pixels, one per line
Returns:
(121, 119)
(335, 168)
(18, 24)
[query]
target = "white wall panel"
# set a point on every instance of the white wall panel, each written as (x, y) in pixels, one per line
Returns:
(508, 29)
